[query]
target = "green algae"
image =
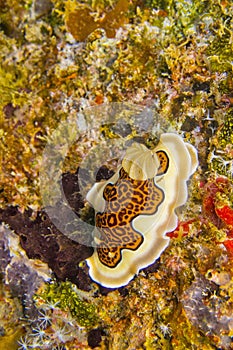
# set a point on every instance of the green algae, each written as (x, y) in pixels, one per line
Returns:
(226, 131)
(64, 296)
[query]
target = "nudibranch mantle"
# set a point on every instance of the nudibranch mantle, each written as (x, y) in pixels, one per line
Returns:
(135, 208)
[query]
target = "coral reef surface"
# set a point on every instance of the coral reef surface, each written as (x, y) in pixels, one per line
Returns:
(62, 63)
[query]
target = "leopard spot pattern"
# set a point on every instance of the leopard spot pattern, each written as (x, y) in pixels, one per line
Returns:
(124, 201)
(164, 162)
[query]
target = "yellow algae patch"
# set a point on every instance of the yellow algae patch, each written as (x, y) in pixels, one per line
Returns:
(81, 21)
(136, 207)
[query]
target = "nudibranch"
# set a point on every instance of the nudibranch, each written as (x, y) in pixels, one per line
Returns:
(135, 208)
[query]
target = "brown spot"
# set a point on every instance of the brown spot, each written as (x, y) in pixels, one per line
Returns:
(80, 22)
